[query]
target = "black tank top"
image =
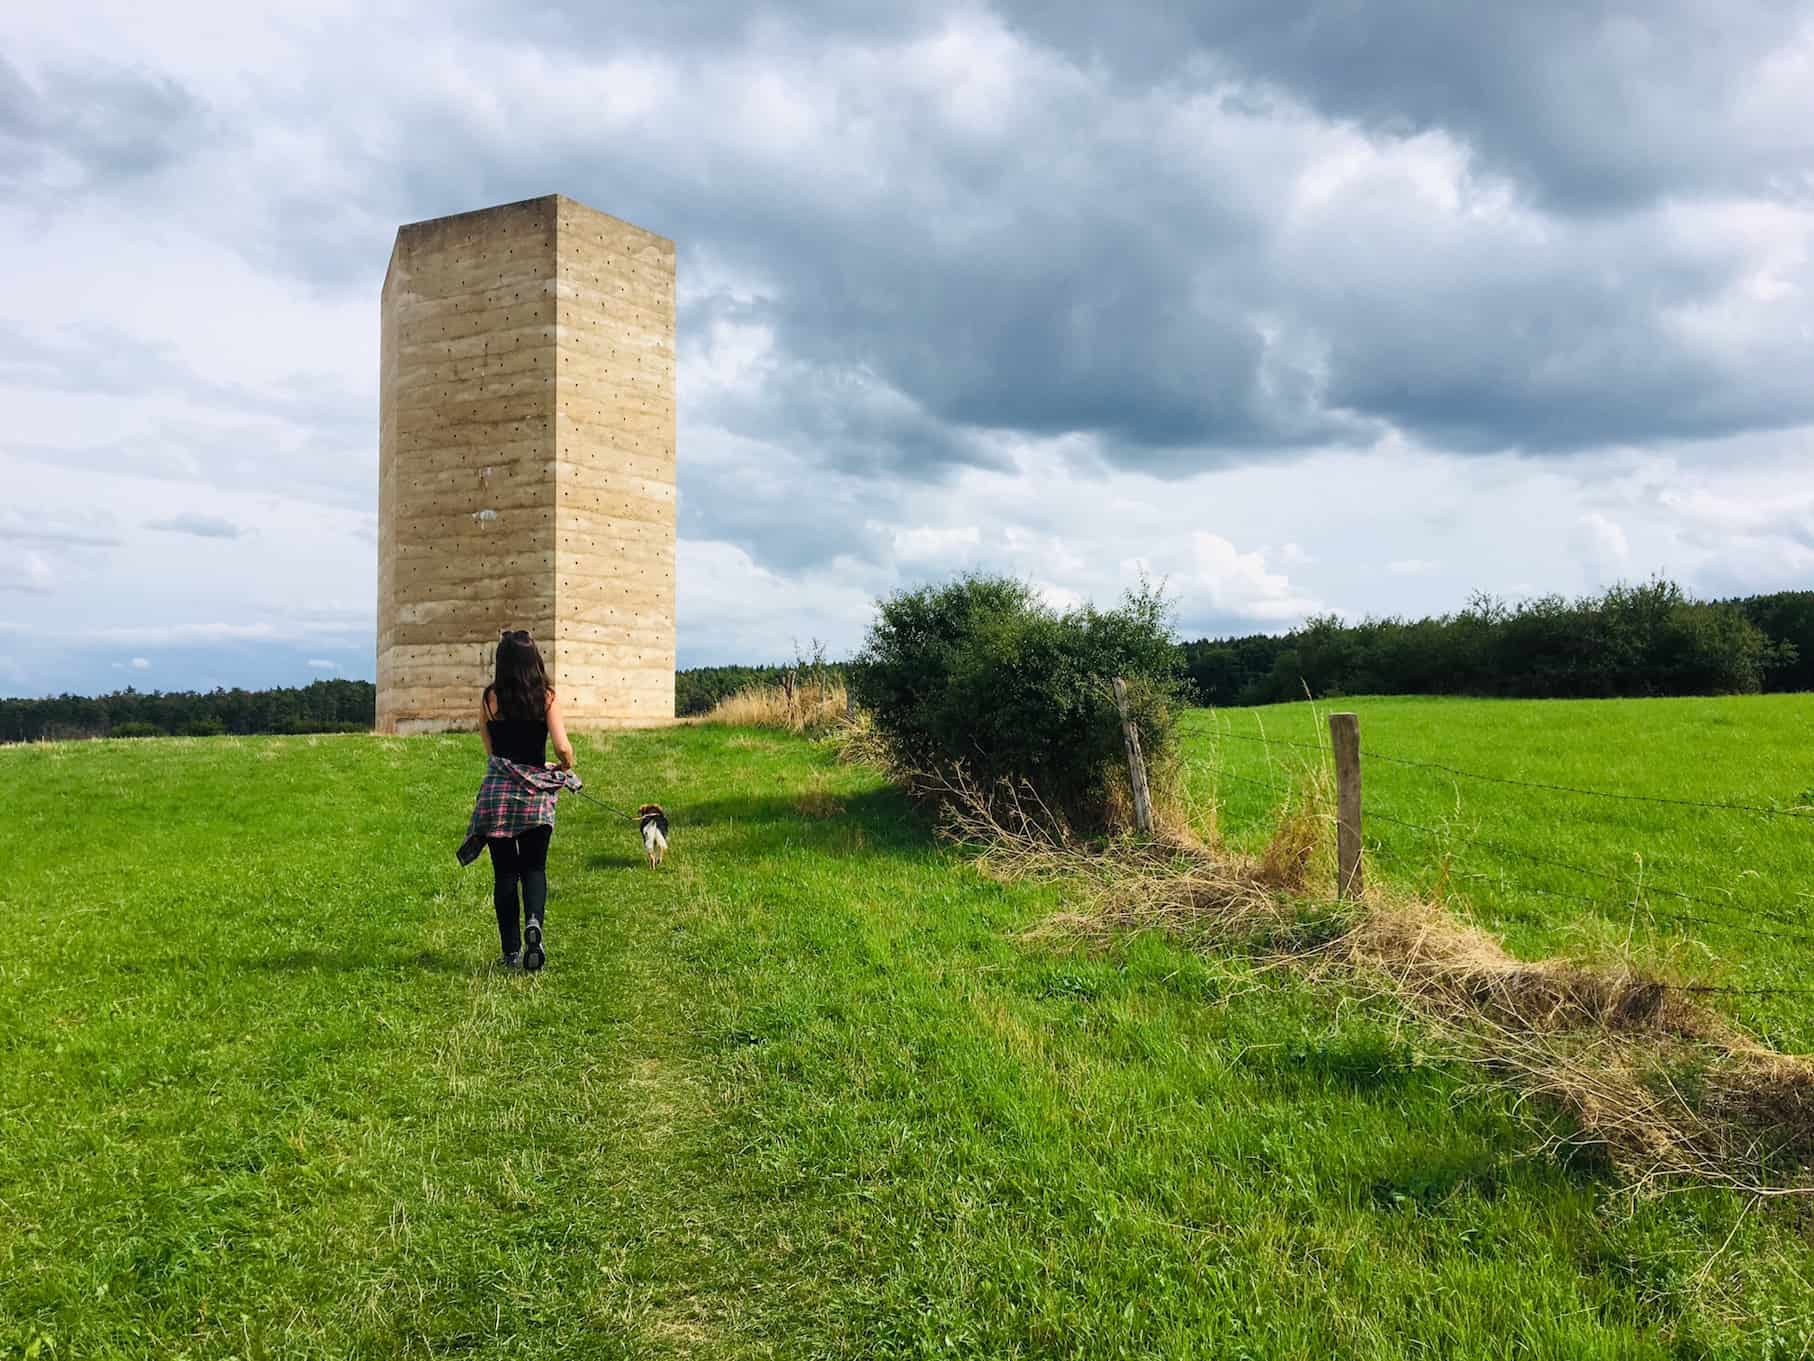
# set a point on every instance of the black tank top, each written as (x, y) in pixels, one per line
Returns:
(523, 740)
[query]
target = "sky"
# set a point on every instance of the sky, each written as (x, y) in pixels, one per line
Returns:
(1297, 306)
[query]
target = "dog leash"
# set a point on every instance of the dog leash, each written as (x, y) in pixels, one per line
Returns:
(628, 817)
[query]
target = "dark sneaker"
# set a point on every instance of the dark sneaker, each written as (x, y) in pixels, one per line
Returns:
(513, 960)
(533, 958)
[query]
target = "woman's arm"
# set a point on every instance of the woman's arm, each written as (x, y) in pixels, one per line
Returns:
(557, 733)
(485, 722)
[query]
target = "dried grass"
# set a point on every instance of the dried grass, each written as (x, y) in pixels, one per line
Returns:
(812, 707)
(859, 744)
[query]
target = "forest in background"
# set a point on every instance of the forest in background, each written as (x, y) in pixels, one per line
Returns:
(1628, 641)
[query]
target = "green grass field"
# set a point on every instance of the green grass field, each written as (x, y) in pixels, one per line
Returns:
(800, 1094)
(1727, 896)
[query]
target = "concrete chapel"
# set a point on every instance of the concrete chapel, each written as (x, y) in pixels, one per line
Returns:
(526, 463)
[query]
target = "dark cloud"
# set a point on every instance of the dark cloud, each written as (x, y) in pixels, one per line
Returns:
(786, 511)
(1498, 343)
(1113, 304)
(1104, 263)
(838, 406)
(1145, 302)
(93, 125)
(669, 25)
(1594, 107)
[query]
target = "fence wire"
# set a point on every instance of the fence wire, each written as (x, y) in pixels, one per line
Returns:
(1799, 811)
(1786, 922)
(1637, 885)
(1763, 809)
(1609, 906)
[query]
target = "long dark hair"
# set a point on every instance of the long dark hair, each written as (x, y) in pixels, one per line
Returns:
(521, 685)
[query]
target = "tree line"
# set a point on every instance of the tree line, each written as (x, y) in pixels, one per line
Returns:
(1628, 641)
(320, 706)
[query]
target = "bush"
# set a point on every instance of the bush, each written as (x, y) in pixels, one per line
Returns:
(1787, 619)
(979, 673)
(137, 730)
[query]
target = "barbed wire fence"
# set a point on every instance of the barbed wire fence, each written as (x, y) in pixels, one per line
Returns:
(1630, 895)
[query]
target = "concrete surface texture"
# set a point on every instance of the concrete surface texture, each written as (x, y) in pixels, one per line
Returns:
(526, 463)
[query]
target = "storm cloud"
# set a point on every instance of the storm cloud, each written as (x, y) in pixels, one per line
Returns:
(1045, 287)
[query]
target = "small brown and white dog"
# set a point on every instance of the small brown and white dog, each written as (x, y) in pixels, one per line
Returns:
(654, 824)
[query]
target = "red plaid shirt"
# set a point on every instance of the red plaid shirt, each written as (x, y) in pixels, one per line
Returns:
(514, 798)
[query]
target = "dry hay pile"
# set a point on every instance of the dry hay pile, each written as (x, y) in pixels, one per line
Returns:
(1646, 1073)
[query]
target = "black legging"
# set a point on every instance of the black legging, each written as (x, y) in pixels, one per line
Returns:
(519, 860)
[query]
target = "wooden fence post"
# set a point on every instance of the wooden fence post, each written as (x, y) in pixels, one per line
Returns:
(1344, 736)
(1136, 763)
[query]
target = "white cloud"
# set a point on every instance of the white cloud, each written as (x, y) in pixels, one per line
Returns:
(1606, 541)
(322, 664)
(1413, 567)
(1241, 583)
(747, 611)
(932, 544)
(172, 634)
(200, 526)
(140, 664)
(27, 572)
(63, 529)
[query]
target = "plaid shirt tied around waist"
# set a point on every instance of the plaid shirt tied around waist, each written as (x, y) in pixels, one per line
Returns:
(514, 798)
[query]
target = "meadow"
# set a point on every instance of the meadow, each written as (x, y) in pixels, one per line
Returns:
(806, 1092)
(1722, 895)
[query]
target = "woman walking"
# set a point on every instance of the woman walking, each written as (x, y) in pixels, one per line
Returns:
(519, 715)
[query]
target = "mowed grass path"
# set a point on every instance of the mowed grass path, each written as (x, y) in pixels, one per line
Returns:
(801, 1094)
(1747, 920)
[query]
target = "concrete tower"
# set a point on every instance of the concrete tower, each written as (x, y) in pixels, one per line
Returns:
(526, 463)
